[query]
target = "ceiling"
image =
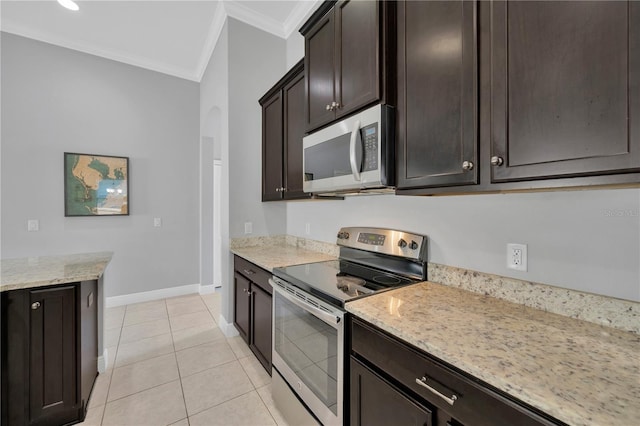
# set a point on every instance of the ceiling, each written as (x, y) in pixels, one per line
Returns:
(173, 37)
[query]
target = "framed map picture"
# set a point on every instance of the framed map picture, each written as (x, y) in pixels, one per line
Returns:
(95, 185)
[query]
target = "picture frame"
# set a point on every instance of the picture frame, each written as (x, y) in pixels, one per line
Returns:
(96, 185)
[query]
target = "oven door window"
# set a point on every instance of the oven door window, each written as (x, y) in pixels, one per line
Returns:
(309, 347)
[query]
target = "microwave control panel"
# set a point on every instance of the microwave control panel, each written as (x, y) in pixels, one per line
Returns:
(370, 142)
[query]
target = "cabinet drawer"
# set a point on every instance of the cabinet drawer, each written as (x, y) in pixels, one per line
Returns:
(468, 401)
(253, 273)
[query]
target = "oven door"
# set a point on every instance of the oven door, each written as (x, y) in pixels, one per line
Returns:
(308, 349)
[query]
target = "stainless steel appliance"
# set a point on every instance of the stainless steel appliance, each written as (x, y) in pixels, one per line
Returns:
(355, 154)
(309, 315)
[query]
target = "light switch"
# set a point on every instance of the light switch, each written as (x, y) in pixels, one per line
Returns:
(157, 222)
(33, 225)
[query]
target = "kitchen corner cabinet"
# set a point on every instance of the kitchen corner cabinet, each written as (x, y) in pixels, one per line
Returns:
(252, 308)
(282, 133)
(347, 52)
(50, 348)
(392, 382)
(437, 93)
(565, 98)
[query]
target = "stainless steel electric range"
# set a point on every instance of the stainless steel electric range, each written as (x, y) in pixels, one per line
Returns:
(309, 315)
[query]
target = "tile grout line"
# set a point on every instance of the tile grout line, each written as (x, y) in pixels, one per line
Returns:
(265, 404)
(113, 369)
(175, 356)
(224, 402)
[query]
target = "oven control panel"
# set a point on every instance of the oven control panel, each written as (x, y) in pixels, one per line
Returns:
(387, 241)
(371, 238)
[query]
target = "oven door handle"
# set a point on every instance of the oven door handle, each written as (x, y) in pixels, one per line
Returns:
(324, 316)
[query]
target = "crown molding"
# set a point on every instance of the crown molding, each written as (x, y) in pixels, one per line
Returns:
(249, 16)
(298, 15)
(141, 62)
(217, 25)
(225, 8)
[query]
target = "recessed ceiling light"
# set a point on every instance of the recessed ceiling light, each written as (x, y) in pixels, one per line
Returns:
(69, 4)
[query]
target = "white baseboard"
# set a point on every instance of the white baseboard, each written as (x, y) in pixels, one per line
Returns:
(207, 289)
(228, 329)
(103, 361)
(146, 296)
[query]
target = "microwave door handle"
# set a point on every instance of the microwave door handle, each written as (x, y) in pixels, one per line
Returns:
(355, 140)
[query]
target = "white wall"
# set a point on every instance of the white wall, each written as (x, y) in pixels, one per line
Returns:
(582, 240)
(245, 64)
(295, 49)
(56, 100)
(214, 113)
(256, 63)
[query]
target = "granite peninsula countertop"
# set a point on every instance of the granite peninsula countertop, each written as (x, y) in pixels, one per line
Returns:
(273, 254)
(578, 372)
(42, 271)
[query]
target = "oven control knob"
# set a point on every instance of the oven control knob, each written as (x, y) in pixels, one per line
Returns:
(343, 235)
(413, 245)
(402, 243)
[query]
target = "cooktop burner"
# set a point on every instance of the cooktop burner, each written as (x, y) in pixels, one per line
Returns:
(339, 281)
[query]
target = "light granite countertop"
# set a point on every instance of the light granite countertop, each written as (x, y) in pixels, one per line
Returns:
(578, 372)
(274, 254)
(42, 271)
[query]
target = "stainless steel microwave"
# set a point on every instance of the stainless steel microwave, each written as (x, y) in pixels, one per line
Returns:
(352, 155)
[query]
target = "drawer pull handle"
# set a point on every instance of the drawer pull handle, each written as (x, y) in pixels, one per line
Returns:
(423, 382)
(249, 272)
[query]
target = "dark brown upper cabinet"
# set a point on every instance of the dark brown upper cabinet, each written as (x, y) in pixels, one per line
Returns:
(282, 133)
(346, 58)
(437, 93)
(565, 89)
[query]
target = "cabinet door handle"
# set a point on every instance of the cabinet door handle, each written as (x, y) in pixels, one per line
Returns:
(467, 165)
(329, 107)
(423, 382)
(248, 271)
(35, 305)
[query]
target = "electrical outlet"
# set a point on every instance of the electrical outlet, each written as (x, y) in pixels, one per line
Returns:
(517, 257)
(248, 227)
(307, 228)
(157, 222)
(33, 225)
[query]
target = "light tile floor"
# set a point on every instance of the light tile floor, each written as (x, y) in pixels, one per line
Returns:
(171, 365)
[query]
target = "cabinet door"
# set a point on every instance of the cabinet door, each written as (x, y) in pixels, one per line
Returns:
(319, 69)
(376, 402)
(565, 88)
(242, 304)
(293, 94)
(53, 345)
(272, 148)
(261, 320)
(437, 93)
(88, 308)
(357, 81)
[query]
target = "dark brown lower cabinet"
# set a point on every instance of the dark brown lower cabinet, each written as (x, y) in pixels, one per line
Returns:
(242, 313)
(376, 402)
(392, 382)
(49, 353)
(253, 309)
